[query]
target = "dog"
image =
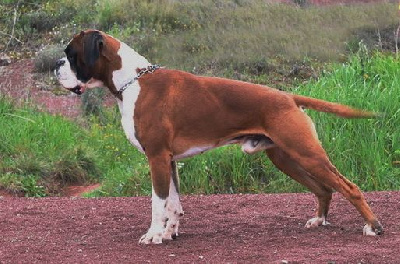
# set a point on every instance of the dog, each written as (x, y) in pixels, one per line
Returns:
(169, 115)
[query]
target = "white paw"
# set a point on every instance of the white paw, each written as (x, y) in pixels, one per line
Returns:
(174, 213)
(171, 230)
(368, 230)
(316, 221)
(153, 236)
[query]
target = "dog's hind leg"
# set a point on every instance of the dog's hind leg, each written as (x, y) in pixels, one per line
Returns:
(323, 193)
(295, 137)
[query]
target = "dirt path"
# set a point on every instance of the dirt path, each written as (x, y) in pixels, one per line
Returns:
(215, 229)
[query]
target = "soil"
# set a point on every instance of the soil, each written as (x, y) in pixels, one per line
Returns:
(17, 81)
(264, 228)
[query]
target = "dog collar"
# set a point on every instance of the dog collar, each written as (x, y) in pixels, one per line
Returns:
(143, 71)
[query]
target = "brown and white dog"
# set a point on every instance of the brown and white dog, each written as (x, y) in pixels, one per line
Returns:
(170, 115)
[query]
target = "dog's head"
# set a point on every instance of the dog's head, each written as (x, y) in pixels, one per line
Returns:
(88, 57)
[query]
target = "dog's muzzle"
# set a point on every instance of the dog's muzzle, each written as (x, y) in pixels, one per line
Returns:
(78, 89)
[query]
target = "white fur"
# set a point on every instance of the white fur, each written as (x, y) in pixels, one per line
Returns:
(316, 221)
(131, 60)
(165, 217)
(192, 152)
(368, 231)
(173, 212)
(66, 76)
(155, 233)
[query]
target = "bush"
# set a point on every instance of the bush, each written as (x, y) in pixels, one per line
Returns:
(40, 21)
(92, 103)
(46, 59)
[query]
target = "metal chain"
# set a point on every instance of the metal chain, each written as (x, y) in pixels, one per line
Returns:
(148, 69)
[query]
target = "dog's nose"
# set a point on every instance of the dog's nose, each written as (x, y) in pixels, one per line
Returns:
(60, 63)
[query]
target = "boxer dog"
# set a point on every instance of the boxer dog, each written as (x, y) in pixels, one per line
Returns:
(170, 115)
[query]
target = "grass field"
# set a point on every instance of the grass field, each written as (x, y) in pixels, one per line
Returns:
(36, 147)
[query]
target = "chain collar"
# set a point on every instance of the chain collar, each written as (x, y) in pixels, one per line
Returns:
(149, 69)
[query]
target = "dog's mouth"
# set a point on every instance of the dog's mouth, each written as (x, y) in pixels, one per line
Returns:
(77, 89)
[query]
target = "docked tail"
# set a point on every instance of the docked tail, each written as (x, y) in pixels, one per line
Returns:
(334, 108)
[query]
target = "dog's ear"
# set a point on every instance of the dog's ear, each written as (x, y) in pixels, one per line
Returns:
(92, 46)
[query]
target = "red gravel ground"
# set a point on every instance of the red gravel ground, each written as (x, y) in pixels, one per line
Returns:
(266, 228)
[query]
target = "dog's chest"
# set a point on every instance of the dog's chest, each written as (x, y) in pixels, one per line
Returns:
(130, 62)
(127, 109)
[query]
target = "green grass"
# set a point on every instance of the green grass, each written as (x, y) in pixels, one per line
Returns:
(240, 36)
(40, 152)
(209, 37)
(366, 151)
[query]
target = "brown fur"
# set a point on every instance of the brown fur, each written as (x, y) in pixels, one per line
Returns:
(197, 111)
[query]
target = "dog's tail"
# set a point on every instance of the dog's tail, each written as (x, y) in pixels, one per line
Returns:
(334, 108)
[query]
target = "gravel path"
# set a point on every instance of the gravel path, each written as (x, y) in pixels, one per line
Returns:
(266, 228)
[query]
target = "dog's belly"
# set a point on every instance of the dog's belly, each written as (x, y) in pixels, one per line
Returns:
(250, 144)
(192, 152)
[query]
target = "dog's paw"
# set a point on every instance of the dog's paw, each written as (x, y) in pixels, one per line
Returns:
(370, 230)
(152, 237)
(174, 212)
(171, 229)
(172, 225)
(316, 221)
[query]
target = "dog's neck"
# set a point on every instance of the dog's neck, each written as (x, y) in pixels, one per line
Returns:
(131, 61)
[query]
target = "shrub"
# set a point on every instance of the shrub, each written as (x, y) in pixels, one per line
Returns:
(92, 103)
(46, 59)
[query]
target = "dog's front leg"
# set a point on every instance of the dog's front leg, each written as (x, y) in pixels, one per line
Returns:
(166, 207)
(160, 169)
(158, 220)
(173, 206)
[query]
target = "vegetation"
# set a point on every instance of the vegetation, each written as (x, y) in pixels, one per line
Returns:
(365, 150)
(42, 153)
(239, 38)
(315, 51)
(36, 146)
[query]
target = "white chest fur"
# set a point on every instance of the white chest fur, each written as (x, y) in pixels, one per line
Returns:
(131, 60)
